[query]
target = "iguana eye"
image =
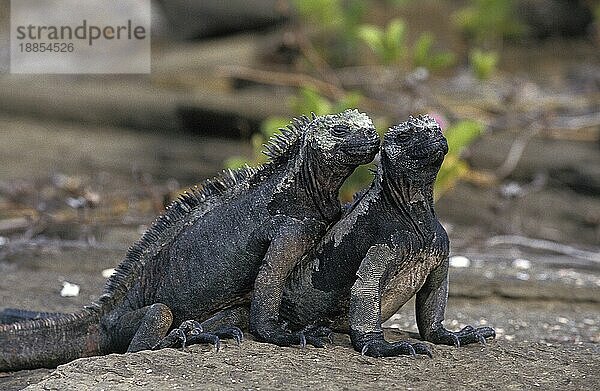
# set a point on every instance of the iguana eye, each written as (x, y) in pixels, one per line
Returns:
(340, 130)
(403, 137)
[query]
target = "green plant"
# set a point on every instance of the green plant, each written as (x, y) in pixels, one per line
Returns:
(306, 102)
(326, 13)
(483, 63)
(488, 22)
(389, 43)
(309, 101)
(459, 136)
(334, 24)
(390, 47)
(424, 56)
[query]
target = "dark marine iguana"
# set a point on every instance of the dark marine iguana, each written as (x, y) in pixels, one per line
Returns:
(240, 232)
(388, 246)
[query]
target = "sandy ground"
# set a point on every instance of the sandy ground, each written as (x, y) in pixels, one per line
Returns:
(547, 314)
(526, 355)
(502, 365)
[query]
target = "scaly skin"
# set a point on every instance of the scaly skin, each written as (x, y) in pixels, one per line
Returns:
(386, 248)
(233, 242)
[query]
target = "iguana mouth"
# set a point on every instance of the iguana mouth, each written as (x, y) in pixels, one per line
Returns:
(429, 150)
(361, 153)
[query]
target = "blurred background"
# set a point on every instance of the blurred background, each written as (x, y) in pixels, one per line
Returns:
(86, 161)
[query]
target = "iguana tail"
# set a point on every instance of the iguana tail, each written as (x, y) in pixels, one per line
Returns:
(50, 342)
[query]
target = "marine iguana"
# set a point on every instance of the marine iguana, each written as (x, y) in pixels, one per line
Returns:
(388, 246)
(230, 241)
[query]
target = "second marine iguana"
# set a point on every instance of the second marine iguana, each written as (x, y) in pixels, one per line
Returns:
(388, 246)
(231, 241)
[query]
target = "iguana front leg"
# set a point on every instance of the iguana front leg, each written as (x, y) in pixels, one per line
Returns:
(365, 309)
(285, 250)
(430, 308)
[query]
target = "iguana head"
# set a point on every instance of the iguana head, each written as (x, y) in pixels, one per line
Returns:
(319, 154)
(414, 149)
(348, 138)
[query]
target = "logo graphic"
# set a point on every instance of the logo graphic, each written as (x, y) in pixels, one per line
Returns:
(74, 36)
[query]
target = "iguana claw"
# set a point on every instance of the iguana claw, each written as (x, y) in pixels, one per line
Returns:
(230, 332)
(302, 340)
(465, 336)
(382, 348)
(316, 334)
(191, 332)
(315, 341)
(282, 337)
(374, 345)
(180, 336)
(209, 338)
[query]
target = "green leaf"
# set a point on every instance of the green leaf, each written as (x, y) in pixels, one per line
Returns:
(350, 101)
(358, 180)
(488, 21)
(310, 101)
(395, 33)
(459, 136)
(462, 134)
(235, 162)
(373, 37)
(271, 125)
(423, 55)
(395, 36)
(451, 171)
(441, 61)
(422, 49)
(327, 14)
(483, 63)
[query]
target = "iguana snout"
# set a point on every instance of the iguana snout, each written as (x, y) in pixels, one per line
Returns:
(415, 148)
(348, 138)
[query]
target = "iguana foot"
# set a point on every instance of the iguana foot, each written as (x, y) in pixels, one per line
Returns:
(281, 337)
(374, 345)
(191, 332)
(465, 336)
(384, 348)
(229, 332)
(317, 335)
(180, 336)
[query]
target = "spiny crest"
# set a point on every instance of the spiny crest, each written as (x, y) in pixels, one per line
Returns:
(126, 273)
(280, 144)
(55, 322)
(420, 123)
(162, 229)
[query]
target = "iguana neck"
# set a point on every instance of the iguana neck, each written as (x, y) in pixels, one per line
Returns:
(320, 184)
(411, 200)
(310, 188)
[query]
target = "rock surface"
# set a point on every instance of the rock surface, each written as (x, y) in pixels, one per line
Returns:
(253, 366)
